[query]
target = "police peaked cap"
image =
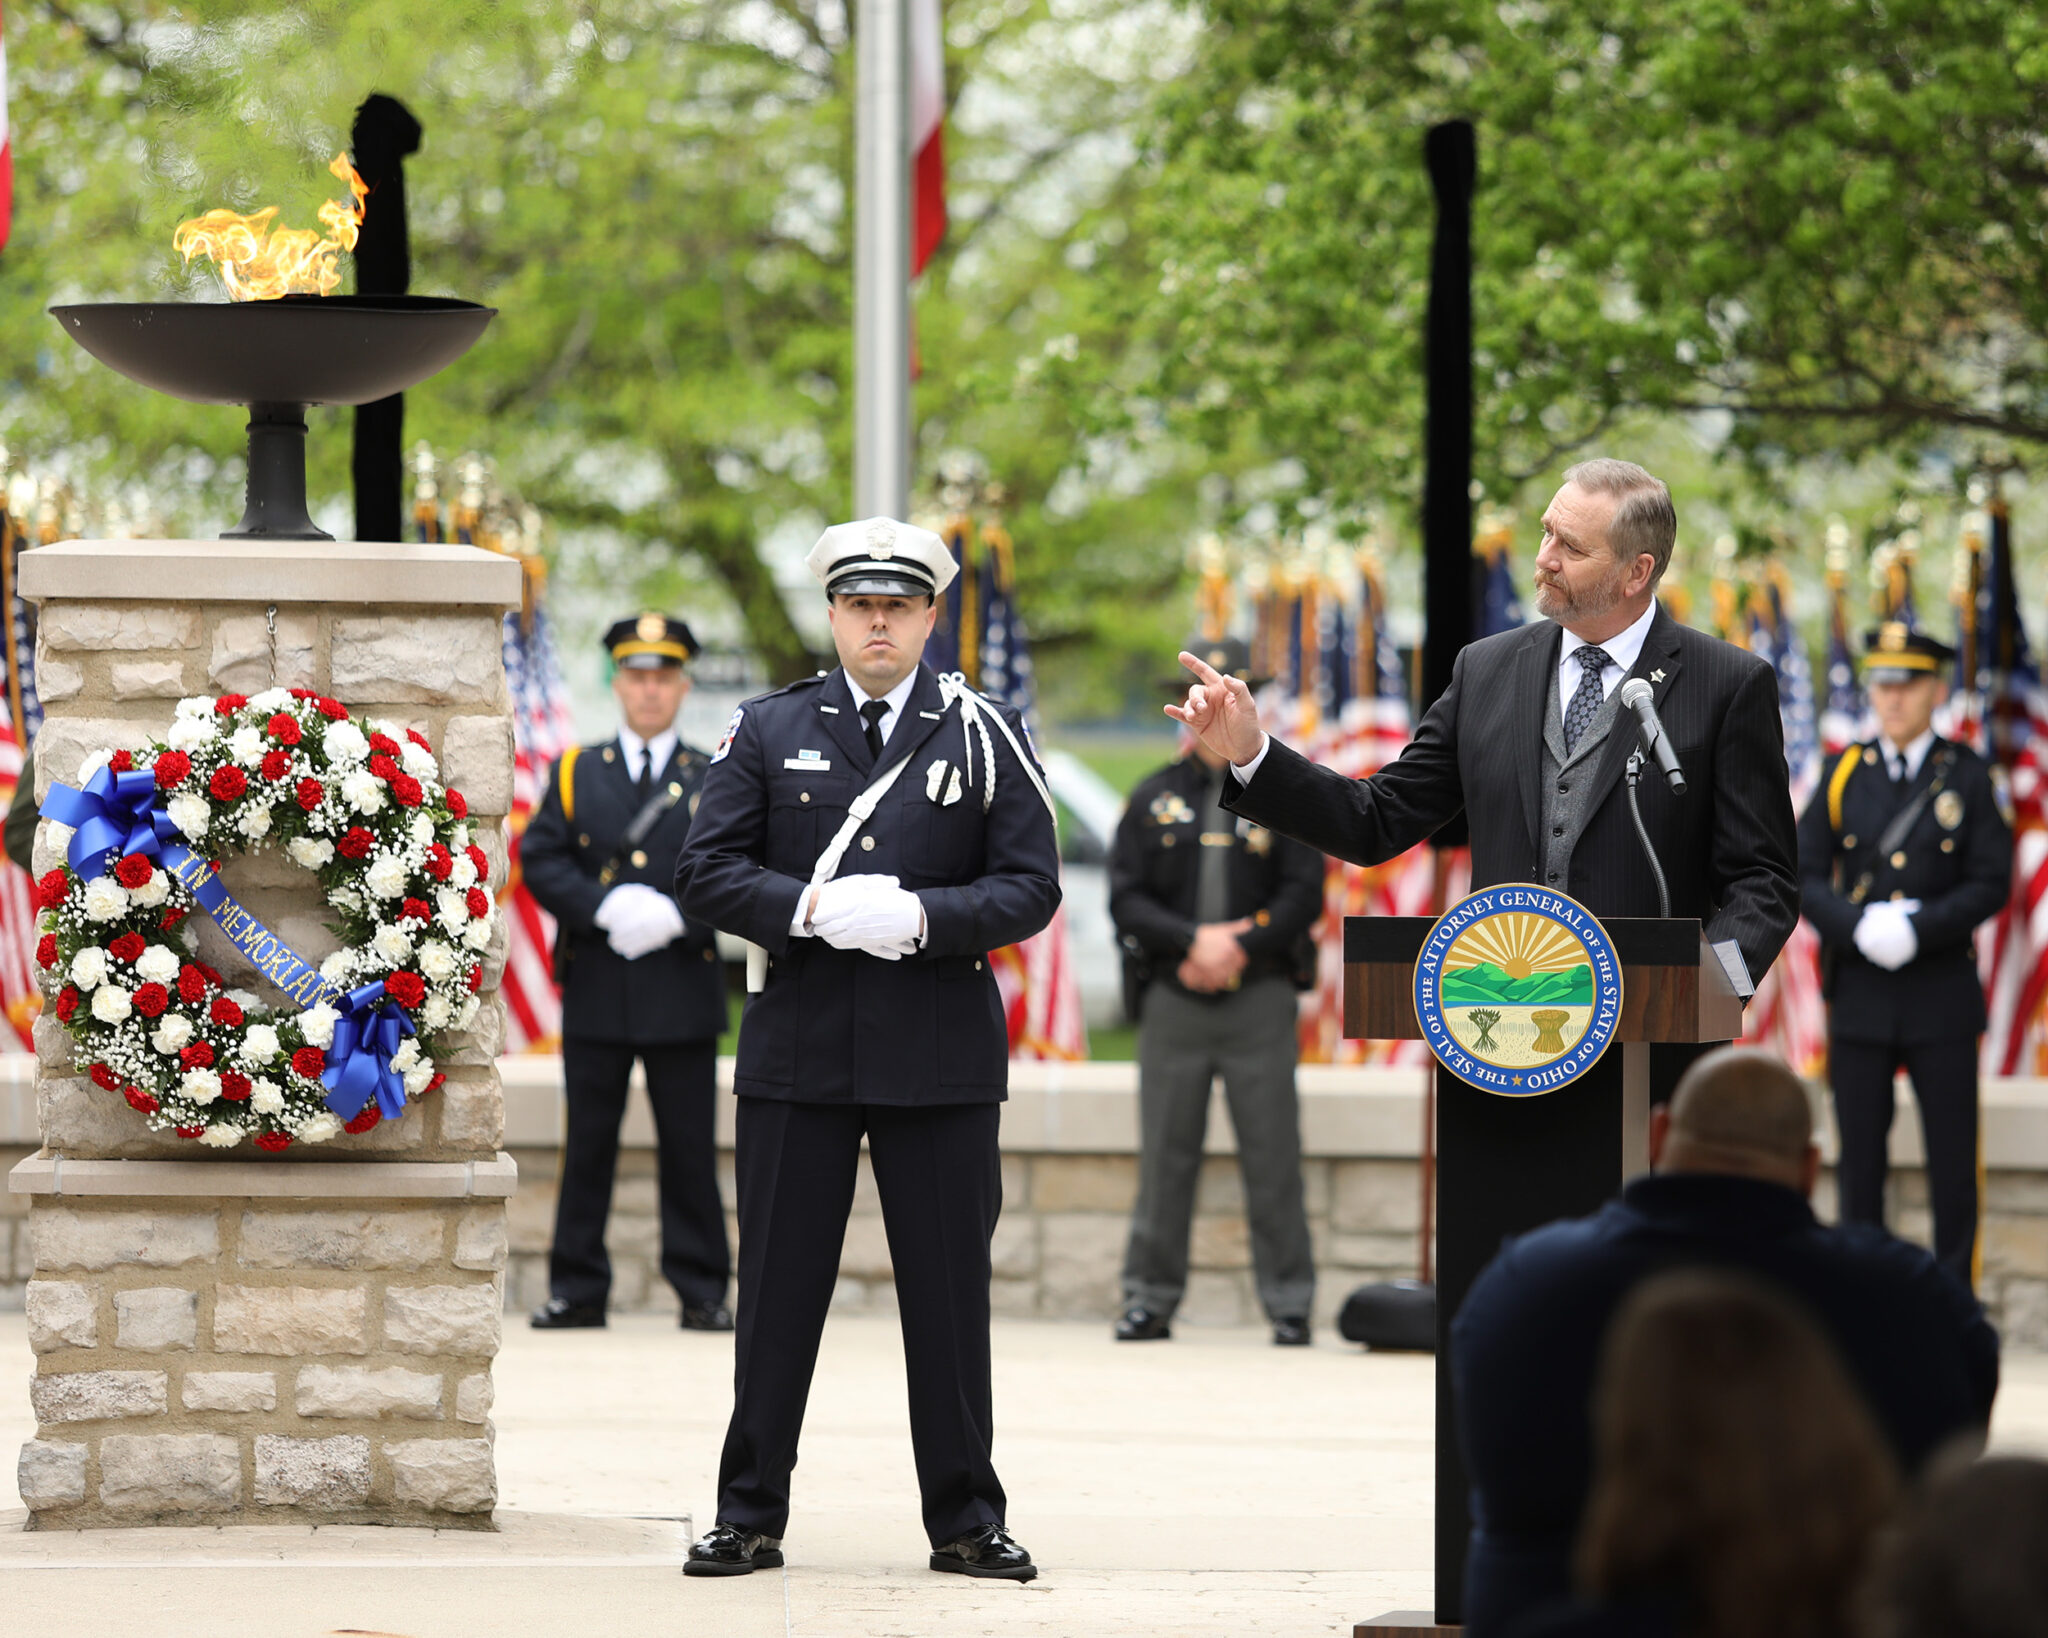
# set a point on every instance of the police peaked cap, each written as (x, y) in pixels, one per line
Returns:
(1896, 652)
(882, 557)
(643, 642)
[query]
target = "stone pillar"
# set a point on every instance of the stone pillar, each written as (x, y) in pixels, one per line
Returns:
(308, 1337)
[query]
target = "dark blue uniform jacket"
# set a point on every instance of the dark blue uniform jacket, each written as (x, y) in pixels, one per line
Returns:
(843, 1026)
(1526, 1343)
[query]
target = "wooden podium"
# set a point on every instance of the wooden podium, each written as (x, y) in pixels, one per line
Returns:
(1506, 1165)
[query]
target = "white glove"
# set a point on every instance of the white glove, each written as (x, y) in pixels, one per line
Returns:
(1885, 934)
(638, 919)
(869, 913)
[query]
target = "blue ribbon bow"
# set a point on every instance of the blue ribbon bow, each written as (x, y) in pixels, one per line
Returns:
(114, 815)
(366, 1037)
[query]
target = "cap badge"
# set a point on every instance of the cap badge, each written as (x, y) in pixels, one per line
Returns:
(650, 628)
(1892, 637)
(881, 540)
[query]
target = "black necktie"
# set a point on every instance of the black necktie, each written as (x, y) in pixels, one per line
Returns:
(645, 783)
(1590, 697)
(872, 714)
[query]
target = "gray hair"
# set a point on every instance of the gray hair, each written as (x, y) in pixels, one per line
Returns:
(1644, 518)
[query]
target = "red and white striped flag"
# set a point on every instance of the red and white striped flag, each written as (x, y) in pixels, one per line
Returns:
(6, 152)
(927, 132)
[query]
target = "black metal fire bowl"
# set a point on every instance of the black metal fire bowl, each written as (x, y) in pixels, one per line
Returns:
(277, 357)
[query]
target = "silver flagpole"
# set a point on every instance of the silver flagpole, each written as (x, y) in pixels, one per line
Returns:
(881, 262)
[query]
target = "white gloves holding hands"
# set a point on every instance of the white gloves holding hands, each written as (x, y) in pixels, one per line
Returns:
(1885, 933)
(868, 913)
(638, 919)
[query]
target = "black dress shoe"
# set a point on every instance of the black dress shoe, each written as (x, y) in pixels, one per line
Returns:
(988, 1552)
(1290, 1332)
(726, 1549)
(1142, 1325)
(710, 1316)
(557, 1315)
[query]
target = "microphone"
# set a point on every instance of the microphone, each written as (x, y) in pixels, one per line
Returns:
(1637, 696)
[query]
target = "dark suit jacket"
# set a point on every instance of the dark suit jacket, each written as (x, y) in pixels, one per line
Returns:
(1728, 845)
(843, 1026)
(1526, 1343)
(676, 993)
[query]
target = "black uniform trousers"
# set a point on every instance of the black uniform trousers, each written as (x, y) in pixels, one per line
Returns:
(682, 1082)
(939, 1173)
(1944, 1074)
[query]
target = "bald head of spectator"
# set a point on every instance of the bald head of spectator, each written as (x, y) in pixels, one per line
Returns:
(1738, 1112)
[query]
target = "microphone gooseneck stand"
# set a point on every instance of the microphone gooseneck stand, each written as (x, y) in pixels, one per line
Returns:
(1635, 812)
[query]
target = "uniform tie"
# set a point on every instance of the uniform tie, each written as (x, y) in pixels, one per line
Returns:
(1591, 696)
(644, 785)
(872, 714)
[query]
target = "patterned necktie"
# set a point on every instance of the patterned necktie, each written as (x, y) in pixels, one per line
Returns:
(1591, 696)
(872, 714)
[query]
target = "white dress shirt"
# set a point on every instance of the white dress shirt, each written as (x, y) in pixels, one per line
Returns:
(662, 746)
(1905, 764)
(799, 924)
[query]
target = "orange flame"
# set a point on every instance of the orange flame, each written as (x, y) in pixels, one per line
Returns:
(258, 262)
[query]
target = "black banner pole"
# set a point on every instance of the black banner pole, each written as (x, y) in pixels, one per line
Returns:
(385, 132)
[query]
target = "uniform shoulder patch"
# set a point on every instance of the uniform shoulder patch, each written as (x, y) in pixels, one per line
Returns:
(732, 729)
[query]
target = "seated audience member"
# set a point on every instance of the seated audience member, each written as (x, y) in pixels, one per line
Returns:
(1734, 1164)
(1970, 1560)
(1739, 1483)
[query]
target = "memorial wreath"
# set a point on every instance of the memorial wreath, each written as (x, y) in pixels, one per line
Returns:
(360, 806)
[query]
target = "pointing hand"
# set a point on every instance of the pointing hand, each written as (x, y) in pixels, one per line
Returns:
(1220, 713)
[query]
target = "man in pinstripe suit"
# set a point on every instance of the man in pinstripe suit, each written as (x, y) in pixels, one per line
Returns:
(1526, 742)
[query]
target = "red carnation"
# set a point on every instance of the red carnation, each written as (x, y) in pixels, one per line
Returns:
(273, 1143)
(332, 710)
(228, 704)
(407, 989)
(384, 743)
(436, 1083)
(134, 870)
(124, 761)
(355, 843)
(440, 862)
(414, 910)
(46, 951)
(309, 793)
(50, 889)
(302, 693)
(418, 739)
(171, 769)
(191, 985)
(105, 1079)
(172, 917)
(67, 1003)
(209, 974)
(225, 1011)
(235, 1086)
(479, 902)
(457, 805)
(139, 1100)
(475, 855)
(276, 764)
(285, 729)
(408, 791)
(476, 978)
(189, 1131)
(382, 766)
(151, 1000)
(309, 1062)
(128, 947)
(369, 1117)
(227, 784)
(199, 1055)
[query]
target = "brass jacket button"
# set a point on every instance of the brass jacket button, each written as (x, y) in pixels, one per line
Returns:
(1898, 861)
(803, 796)
(639, 859)
(867, 844)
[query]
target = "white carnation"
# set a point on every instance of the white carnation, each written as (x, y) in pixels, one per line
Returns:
(317, 1025)
(219, 1136)
(105, 899)
(436, 1013)
(158, 964)
(345, 898)
(318, 1128)
(407, 1055)
(246, 746)
(460, 839)
(453, 909)
(363, 791)
(243, 999)
(478, 933)
(437, 961)
(154, 891)
(171, 1034)
(200, 1085)
(391, 944)
(111, 1004)
(253, 822)
(345, 744)
(190, 814)
(418, 760)
(259, 1044)
(464, 873)
(89, 967)
(465, 1015)
(266, 1097)
(271, 699)
(309, 853)
(188, 732)
(196, 705)
(56, 834)
(422, 831)
(335, 968)
(416, 1080)
(387, 876)
(92, 763)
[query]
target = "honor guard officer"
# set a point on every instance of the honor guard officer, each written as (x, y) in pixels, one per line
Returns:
(876, 831)
(1902, 853)
(1213, 913)
(638, 981)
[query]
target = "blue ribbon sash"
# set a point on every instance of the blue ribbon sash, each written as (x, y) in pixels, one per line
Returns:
(366, 1037)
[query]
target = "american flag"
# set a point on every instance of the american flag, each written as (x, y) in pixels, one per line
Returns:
(1846, 718)
(542, 729)
(981, 635)
(23, 716)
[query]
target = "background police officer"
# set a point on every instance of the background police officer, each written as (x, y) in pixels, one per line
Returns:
(638, 980)
(1902, 853)
(1213, 913)
(878, 1016)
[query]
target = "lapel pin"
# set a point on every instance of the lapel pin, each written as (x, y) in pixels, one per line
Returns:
(1657, 676)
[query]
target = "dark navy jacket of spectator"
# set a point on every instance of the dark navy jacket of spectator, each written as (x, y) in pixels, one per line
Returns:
(1525, 1349)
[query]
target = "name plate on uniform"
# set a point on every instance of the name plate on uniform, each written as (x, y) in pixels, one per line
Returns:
(807, 764)
(1518, 990)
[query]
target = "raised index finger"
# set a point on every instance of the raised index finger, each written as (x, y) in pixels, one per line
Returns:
(1203, 672)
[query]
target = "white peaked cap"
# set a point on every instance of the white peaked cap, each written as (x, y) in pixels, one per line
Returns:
(883, 557)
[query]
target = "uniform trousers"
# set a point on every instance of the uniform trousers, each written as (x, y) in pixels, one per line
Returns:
(938, 1171)
(1184, 1042)
(682, 1081)
(1944, 1076)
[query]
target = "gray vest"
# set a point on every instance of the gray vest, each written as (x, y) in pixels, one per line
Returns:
(1568, 782)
